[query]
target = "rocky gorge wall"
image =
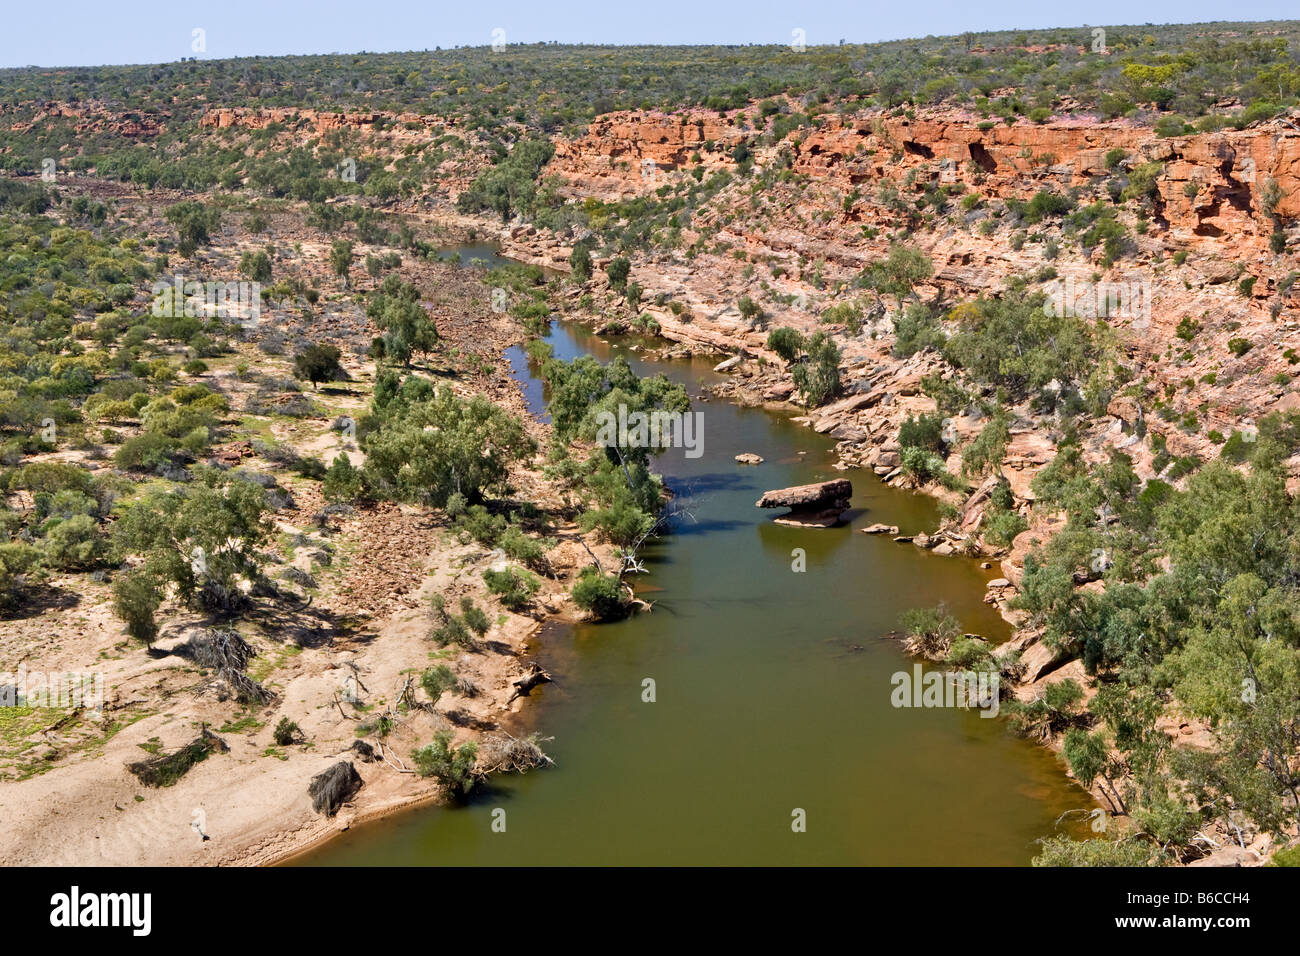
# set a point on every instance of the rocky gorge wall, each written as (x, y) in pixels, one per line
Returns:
(797, 248)
(828, 221)
(1229, 166)
(1223, 230)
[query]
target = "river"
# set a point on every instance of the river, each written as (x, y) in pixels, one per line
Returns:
(772, 687)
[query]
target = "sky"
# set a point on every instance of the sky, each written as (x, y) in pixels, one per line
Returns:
(93, 32)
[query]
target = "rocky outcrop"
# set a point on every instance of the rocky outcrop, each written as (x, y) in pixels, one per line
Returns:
(319, 120)
(819, 505)
(890, 529)
(1215, 348)
(820, 494)
(626, 154)
(1228, 167)
(828, 218)
(96, 118)
(797, 250)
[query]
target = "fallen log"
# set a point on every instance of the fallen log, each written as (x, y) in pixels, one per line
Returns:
(532, 676)
(164, 770)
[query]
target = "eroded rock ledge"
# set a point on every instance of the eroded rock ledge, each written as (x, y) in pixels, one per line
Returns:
(819, 505)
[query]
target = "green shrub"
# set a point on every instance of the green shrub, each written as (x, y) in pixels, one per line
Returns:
(73, 543)
(436, 681)
(424, 444)
(1170, 126)
(513, 586)
(846, 313)
(930, 630)
(599, 594)
(452, 767)
(1046, 204)
(817, 377)
(1009, 342)
(1288, 856)
(617, 270)
(255, 266)
(318, 363)
(986, 451)
(342, 482)
(1101, 851)
(530, 552)
(786, 342)
(478, 524)
(457, 629)
(286, 732)
(166, 770)
(922, 465)
(1236, 449)
(510, 186)
(1001, 527)
(580, 263)
(475, 617)
(916, 330)
(924, 431)
(146, 451)
(17, 559)
(135, 600)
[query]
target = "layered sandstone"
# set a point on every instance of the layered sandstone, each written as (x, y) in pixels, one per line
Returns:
(628, 154)
(320, 121)
(819, 505)
(622, 155)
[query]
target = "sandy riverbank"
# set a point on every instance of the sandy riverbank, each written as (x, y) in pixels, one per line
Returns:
(335, 656)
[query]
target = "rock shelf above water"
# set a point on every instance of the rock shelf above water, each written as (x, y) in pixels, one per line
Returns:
(819, 505)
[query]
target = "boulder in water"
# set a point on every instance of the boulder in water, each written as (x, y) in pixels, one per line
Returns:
(819, 505)
(890, 529)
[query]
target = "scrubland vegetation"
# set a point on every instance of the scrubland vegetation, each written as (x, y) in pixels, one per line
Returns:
(1179, 593)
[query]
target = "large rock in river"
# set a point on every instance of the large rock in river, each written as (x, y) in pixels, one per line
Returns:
(819, 505)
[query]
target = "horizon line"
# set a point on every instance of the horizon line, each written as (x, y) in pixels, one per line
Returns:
(843, 42)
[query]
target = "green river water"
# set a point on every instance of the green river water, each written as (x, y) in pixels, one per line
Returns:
(773, 692)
